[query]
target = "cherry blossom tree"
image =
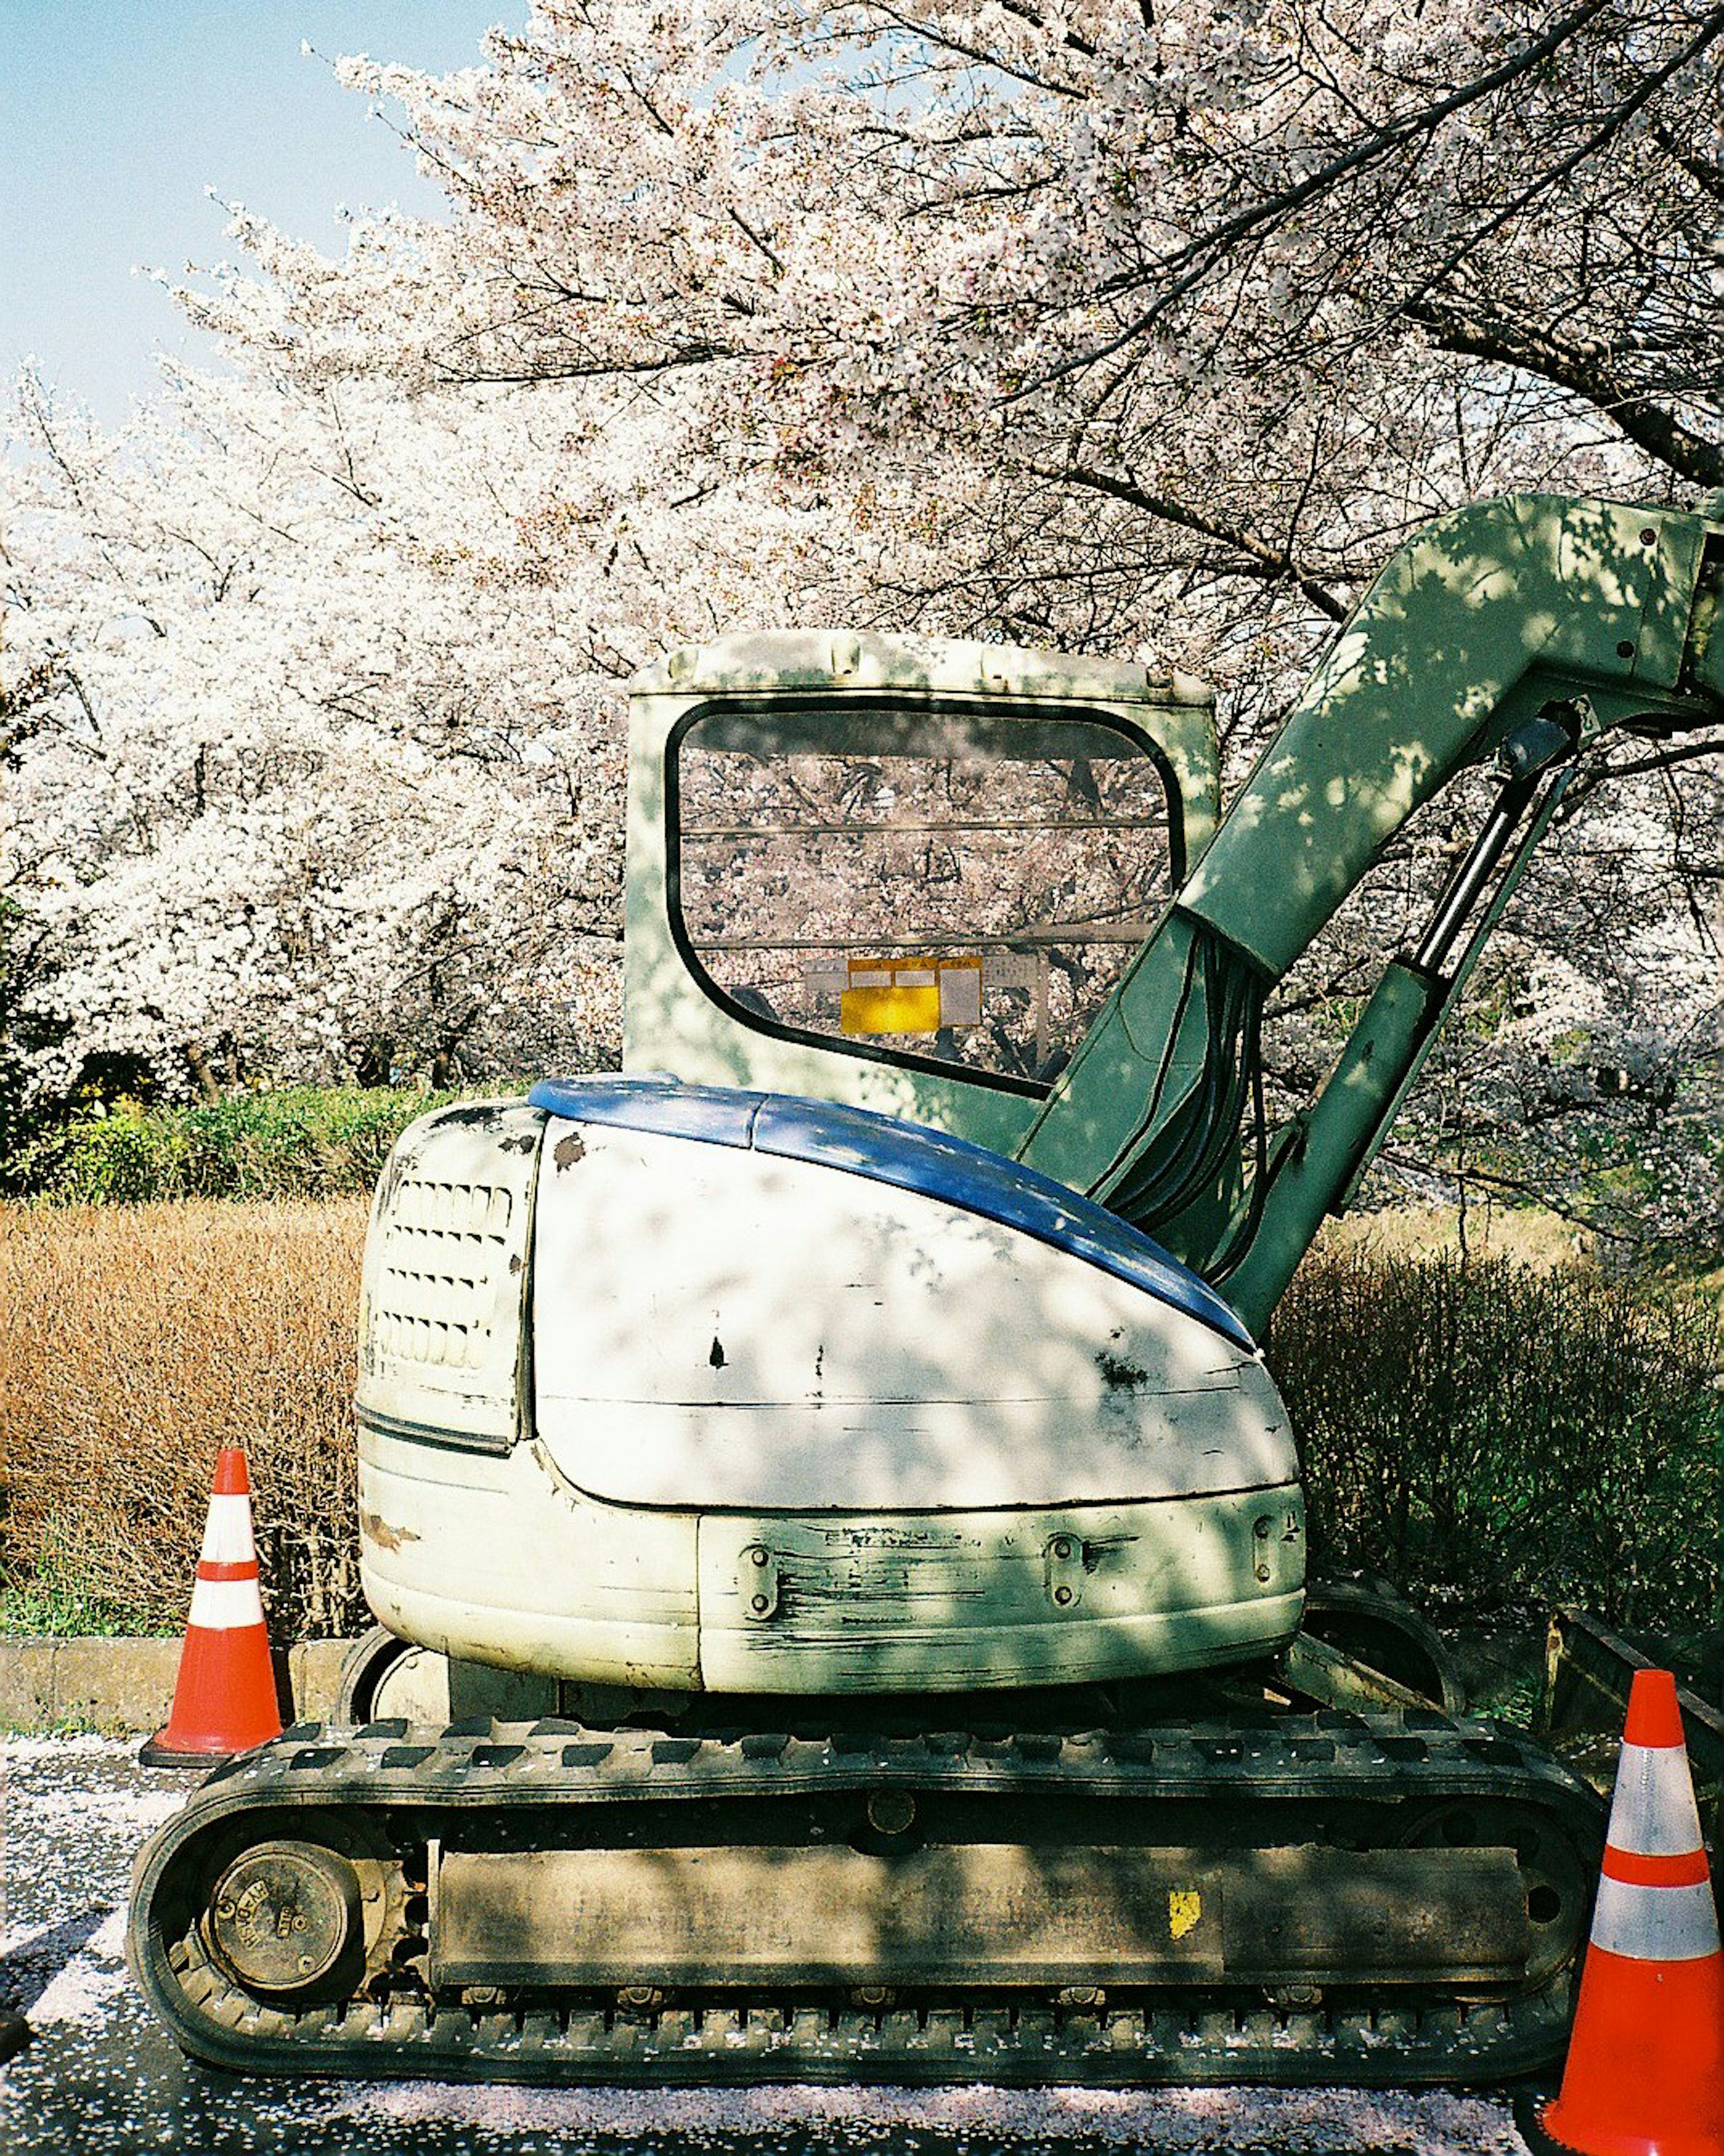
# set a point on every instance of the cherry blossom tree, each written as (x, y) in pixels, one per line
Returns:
(315, 770)
(1144, 326)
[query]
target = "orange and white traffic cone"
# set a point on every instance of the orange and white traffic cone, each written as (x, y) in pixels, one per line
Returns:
(1646, 2070)
(224, 1699)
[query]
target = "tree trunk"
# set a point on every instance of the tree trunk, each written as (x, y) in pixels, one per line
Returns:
(199, 1064)
(373, 1062)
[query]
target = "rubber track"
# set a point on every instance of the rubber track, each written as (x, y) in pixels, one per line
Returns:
(414, 1776)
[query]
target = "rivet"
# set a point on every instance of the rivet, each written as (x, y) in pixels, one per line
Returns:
(1648, 535)
(760, 1604)
(756, 1555)
(1625, 649)
(1062, 1595)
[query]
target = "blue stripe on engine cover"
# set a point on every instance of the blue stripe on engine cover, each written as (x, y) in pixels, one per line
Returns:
(712, 1113)
(906, 1155)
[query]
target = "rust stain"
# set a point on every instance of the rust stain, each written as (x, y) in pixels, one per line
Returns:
(568, 1151)
(378, 1530)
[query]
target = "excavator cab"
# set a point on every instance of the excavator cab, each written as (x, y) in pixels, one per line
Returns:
(901, 875)
(826, 1392)
(790, 1359)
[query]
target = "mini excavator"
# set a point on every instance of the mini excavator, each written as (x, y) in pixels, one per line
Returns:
(842, 1435)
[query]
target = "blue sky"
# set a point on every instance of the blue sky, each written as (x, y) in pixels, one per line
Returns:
(119, 114)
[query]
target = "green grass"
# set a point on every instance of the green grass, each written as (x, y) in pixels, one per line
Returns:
(54, 1603)
(300, 1142)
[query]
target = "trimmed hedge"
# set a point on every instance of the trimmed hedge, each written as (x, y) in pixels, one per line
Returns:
(302, 1142)
(141, 1339)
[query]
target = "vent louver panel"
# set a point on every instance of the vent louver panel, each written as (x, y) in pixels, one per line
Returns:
(443, 1251)
(445, 1276)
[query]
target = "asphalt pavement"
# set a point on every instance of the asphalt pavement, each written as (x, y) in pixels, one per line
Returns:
(101, 2078)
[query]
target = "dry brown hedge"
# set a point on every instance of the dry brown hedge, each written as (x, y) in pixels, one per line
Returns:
(139, 1340)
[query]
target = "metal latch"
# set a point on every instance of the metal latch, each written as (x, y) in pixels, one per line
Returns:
(758, 1581)
(1063, 1568)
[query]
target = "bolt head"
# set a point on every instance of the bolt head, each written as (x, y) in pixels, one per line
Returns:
(892, 1811)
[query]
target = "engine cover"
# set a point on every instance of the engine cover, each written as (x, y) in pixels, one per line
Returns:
(680, 1388)
(728, 1328)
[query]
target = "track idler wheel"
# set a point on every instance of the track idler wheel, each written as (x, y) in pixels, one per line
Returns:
(1556, 1878)
(285, 1918)
(384, 1679)
(381, 1675)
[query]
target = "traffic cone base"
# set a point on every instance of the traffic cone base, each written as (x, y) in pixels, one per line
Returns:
(1646, 2070)
(1534, 2121)
(224, 1697)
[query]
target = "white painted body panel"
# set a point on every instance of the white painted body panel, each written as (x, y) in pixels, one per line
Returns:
(720, 1328)
(912, 1433)
(494, 1558)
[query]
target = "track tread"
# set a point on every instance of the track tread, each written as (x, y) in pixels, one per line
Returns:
(391, 1769)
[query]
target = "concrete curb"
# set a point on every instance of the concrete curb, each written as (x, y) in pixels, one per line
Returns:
(126, 1686)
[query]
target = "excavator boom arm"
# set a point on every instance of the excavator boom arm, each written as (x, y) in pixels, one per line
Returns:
(1498, 630)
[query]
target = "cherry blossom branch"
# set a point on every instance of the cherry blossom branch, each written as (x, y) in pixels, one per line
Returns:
(1461, 330)
(1276, 560)
(1202, 251)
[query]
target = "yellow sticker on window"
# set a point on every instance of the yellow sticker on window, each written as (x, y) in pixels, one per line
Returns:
(891, 1010)
(1185, 1913)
